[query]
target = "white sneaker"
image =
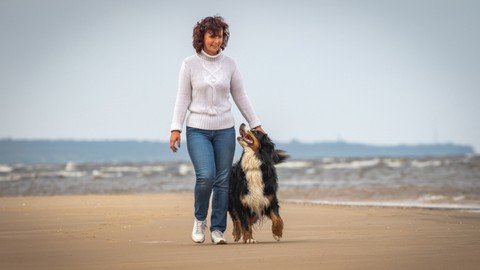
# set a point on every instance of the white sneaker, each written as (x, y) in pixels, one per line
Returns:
(217, 237)
(198, 233)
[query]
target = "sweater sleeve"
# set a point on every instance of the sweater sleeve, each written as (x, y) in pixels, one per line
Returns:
(184, 98)
(241, 99)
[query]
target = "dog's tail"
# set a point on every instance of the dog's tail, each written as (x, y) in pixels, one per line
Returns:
(279, 156)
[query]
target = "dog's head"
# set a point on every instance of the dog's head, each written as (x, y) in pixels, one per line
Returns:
(261, 145)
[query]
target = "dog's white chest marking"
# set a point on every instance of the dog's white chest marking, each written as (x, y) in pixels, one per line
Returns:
(255, 198)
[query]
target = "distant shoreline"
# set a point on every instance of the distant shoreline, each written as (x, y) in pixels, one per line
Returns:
(62, 151)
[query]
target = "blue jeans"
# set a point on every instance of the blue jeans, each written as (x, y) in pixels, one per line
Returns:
(211, 152)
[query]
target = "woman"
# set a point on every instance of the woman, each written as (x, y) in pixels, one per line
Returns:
(206, 81)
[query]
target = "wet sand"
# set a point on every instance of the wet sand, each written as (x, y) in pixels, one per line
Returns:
(152, 231)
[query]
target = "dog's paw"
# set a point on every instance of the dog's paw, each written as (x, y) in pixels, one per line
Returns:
(251, 241)
(277, 237)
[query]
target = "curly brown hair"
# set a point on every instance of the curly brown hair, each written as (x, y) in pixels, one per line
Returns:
(209, 24)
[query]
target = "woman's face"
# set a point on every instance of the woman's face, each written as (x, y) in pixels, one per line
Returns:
(212, 42)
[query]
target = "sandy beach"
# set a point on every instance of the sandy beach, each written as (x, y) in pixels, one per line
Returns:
(152, 231)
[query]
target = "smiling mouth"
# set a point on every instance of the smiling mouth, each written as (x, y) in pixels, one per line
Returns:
(244, 135)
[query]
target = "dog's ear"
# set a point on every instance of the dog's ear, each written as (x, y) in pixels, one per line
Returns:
(279, 156)
(265, 141)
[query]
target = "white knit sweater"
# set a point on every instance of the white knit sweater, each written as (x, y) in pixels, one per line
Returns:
(204, 87)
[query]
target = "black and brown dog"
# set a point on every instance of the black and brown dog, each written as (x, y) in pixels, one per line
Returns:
(253, 185)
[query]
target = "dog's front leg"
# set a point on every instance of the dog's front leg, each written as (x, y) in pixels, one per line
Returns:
(237, 230)
(247, 232)
(277, 225)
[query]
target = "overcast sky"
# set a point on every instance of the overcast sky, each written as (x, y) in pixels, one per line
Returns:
(380, 72)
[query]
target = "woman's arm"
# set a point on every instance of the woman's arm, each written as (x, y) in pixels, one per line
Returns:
(184, 98)
(241, 99)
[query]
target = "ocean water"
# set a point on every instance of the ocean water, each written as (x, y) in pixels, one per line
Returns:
(445, 182)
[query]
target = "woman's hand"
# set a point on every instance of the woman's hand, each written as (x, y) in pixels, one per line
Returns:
(175, 139)
(259, 128)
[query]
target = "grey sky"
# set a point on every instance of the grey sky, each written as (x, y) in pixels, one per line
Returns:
(381, 72)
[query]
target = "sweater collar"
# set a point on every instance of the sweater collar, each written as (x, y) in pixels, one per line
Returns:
(209, 57)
